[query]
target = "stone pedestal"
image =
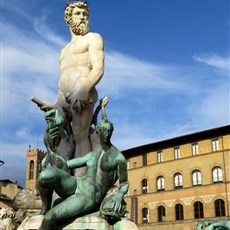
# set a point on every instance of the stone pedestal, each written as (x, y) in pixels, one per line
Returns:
(92, 222)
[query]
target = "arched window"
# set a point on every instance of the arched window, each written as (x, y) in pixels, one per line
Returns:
(179, 212)
(144, 186)
(160, 183)
(198, 210)
(217, 175)
(219, 208)
(31, 175)
(196, 178)
(145, 215)
(178, 180)
(161, 214)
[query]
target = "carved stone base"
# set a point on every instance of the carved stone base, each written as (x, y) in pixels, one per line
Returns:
(31, 223)
(92, 222)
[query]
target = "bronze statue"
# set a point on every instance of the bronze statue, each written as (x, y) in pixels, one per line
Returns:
(213, 224)
(85, 194)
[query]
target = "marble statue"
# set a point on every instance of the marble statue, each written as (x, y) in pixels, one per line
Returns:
(84, 194)
(81, 68)
(27, 199)
(10, 219)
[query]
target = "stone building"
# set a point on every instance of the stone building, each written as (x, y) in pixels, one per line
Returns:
(178, 182)
(8, 189)
(33, 167)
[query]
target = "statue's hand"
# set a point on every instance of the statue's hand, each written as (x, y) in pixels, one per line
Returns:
(113, 207)
(53, 137)
(79, 98)
(43, 105)
(54, 121)
(46, 106)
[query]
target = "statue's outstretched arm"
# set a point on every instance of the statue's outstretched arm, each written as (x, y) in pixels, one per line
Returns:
(43, 105)
(103, 102)
(79, 161)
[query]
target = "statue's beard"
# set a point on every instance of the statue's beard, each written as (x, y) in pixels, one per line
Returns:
(79, 27)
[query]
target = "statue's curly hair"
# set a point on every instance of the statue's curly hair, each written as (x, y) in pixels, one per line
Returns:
(71, 5)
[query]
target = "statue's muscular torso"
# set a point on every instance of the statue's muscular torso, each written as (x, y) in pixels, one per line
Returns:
(101, 173)
(75, 63)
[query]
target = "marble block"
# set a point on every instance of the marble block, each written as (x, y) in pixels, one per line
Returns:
(92, 222)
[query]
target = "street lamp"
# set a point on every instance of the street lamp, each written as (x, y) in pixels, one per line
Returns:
(2, 162)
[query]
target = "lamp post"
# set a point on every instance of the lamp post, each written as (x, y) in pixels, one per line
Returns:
(2, 162)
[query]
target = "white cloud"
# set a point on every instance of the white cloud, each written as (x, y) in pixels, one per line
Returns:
(27, 54)
(213, 109)
(123, 72)
(44, 31)
(214, 60)
(14, 156)
(128, 134)
(29, 68)
(22, 132)
(13, 9)
(216, 107)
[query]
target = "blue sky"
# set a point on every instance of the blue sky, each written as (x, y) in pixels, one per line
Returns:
(166, 69)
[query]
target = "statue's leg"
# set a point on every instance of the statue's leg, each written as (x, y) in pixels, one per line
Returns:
(80, 125)
(57, 180)
(74, 205)
(66, 146)
(46, 196)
